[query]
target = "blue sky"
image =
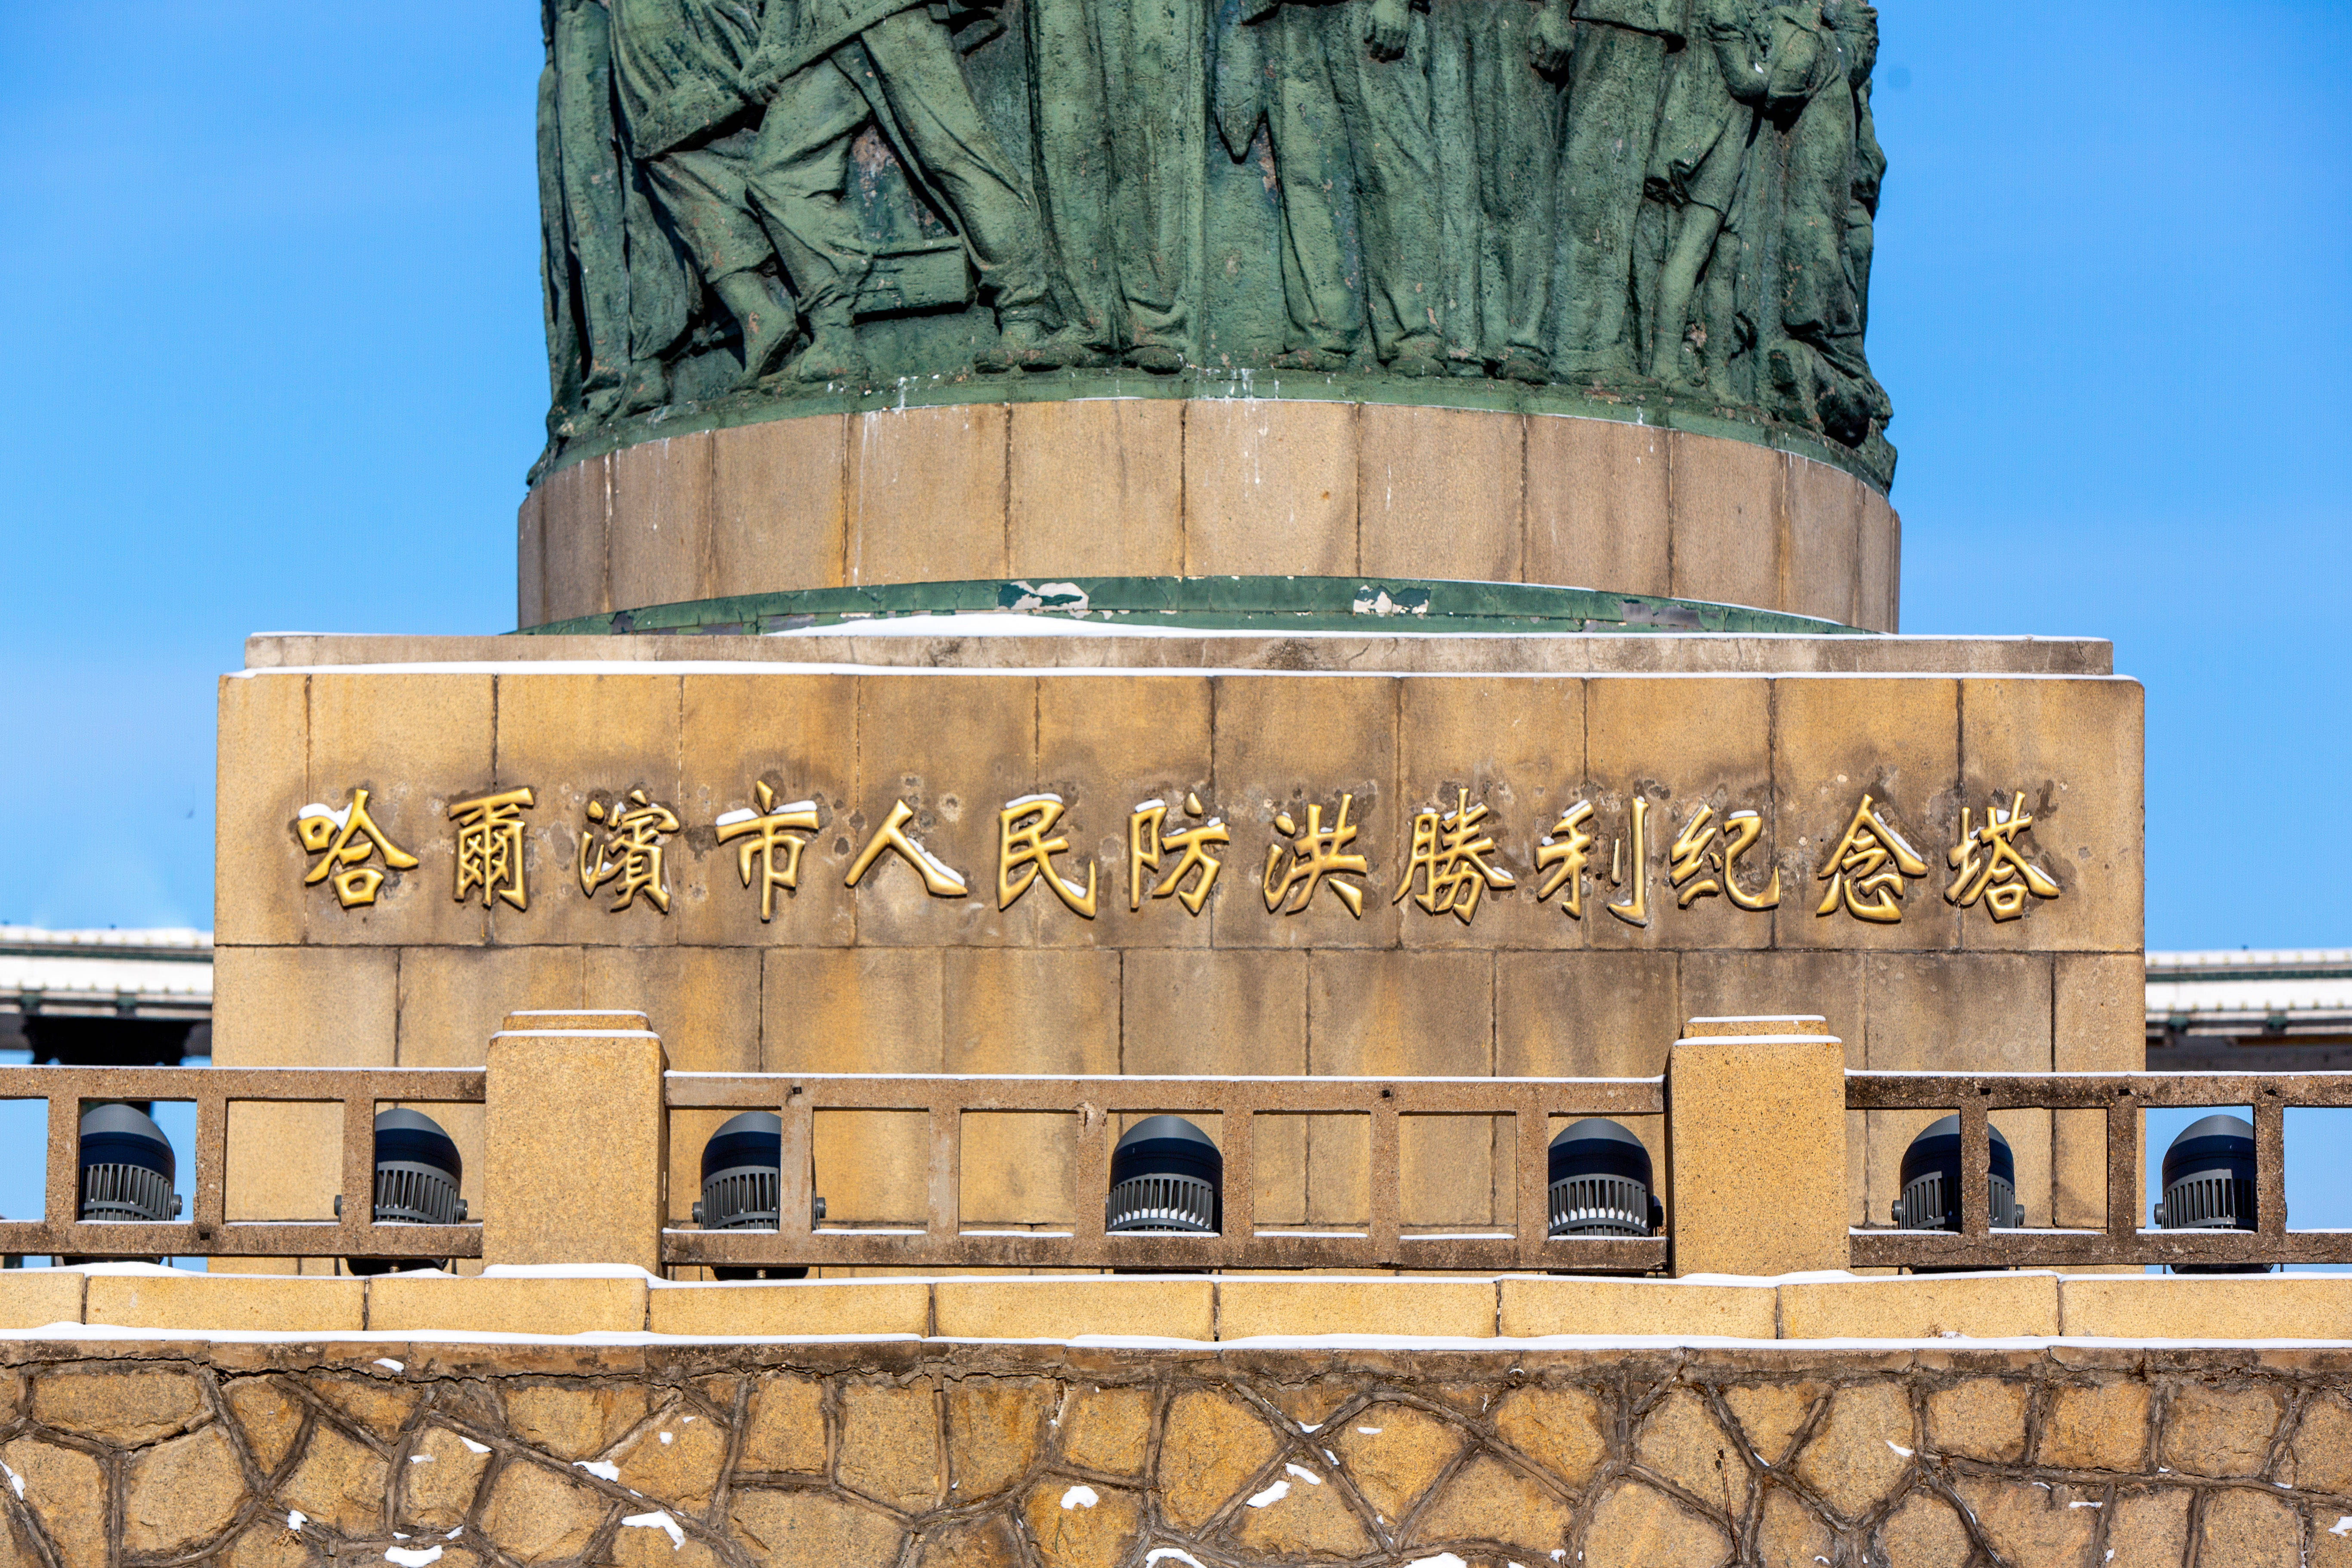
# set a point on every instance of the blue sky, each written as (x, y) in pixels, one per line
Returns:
(273, 359)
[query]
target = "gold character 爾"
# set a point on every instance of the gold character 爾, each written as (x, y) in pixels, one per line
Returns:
(1148, 839)
(1990, 866)
(763, 832)
(1023, 854)
(489, 847)
(939, 878)
(1566, 851)
(346, 840)
(1316, 859)
(630, 853)
(1448, 854)
(1693, 852)
(1866, 871)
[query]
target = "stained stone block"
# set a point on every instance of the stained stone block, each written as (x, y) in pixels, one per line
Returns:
(1746, 1115)
(1821, 575)
(1104, 746)
(1770, 1415)
(1598, 502)
(890, 1445)
(1210, 1445)
(1859, 1449)
(1980, 1306)
(1530, 1307)
(2220, 1432)
(984, 1542)
(2248, 1529)
(1080, 1526)
(1984, 1419)
(1064, 1306)
(66, 1494)
(536, 1514)
(1725, 516)
(1301, 1513)
(1564, 1430)
(1107, 1429)
(926, 485)
(1437, 493)
(2323, 1448)
(1096, 489)
(784, 1425)
(1457, 1307)
(660, 531)
(340, 1483)
(181, 1492)
(1392, 1452)
(1487, 1499)
(2028, 1522)
(579, 510)
(1634, 1526)
(2095, 1427)
(438, 1479)
(954, 778)
(810, 1530)
(1269, 488)
(377, 1408)
(778, 505)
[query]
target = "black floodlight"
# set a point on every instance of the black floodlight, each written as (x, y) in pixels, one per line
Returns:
(1930, 1198)
(1165, 1175)
(2209, 1185)
(1600, 1181)
(127, 1167)
(417, 1174)
(743, 1182)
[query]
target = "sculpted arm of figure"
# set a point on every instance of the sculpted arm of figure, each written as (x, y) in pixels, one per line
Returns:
(1554, 37)
(1387, 24)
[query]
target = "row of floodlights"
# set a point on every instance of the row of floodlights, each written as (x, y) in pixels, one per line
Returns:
(1168, 1176)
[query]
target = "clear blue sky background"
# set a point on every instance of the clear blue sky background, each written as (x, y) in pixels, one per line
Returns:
(272, 360)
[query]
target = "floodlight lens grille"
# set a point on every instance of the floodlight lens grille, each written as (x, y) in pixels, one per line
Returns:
(1599, 1206)
(1162, 1203)
(120, 1193)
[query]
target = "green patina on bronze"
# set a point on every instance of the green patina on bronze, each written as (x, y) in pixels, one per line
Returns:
(1365, 605)
(753, 208)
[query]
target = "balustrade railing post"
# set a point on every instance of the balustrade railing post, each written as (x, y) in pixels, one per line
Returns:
(1756, 1151)
(576, 1145)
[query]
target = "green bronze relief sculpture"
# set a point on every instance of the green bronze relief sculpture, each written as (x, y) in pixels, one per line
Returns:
(755, 206)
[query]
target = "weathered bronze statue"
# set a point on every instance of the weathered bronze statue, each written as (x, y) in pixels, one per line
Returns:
(779, 202)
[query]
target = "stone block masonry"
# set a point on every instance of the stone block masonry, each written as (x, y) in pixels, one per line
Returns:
(913, 1455)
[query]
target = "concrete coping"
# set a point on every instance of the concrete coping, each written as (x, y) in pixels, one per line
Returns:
(1811, 1308)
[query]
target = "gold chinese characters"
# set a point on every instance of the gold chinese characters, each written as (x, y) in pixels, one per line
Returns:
(345, 840)
(1451, 858)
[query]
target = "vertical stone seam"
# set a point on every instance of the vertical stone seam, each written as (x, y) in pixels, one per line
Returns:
(1670, 445)
(1784, 531)
(1004, 490)
(310, 788)
(841, 544)
(1184, 499)
(1355, 462)
(604, 472)
(707, 567)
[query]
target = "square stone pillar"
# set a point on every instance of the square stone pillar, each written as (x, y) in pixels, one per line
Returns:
(576, 1145)
(1755, 1153)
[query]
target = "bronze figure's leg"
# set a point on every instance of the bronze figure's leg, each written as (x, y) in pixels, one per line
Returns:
(1321, 256)
(800, 170)
(919, 78)
(1150, 54)
(703, 189)
(1386, 107)
(1615, 80)
(1514, 126)
(1072, 114)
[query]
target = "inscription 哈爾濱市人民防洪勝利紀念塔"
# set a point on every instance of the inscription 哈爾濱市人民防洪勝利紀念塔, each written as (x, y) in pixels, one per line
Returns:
(1640, 200)
(1449, 861)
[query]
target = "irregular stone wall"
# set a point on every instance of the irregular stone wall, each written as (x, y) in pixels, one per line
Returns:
(932, 1456)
